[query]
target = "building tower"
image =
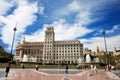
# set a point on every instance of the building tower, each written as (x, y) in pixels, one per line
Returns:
(48, 45)
(97, 49)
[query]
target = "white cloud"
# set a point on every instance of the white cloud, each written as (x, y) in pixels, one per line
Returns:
(116, 27)
(24, 15)
(73, 7)
(83, 18)
(111, 42)
(81, 12)
(92, 43)
(36, 36)
(65, 31)
(41, 10)
(4, 7)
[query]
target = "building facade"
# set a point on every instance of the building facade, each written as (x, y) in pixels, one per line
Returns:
(29, 51)
(50, 51)
(3, 52)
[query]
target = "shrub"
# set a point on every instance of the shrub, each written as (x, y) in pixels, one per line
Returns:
(4, 59)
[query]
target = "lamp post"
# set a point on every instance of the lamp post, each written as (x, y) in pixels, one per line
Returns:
(103, 32)
(15, 29)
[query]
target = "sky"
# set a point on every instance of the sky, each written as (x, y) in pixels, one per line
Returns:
(82, 20)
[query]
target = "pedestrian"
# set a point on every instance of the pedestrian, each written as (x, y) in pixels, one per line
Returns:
(105, 68)
(91, 66)
(112, 67)
(22, 66)
(7, 69)
(66, 69)
(95, 69)
(37, 67)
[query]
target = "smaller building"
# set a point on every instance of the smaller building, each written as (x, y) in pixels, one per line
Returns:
(3, 52)
(116, 52)
(29, 51)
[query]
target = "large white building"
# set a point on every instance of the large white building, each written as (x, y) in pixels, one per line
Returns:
(50, 51)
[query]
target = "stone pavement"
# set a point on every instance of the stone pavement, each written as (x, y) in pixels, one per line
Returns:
(31, 74)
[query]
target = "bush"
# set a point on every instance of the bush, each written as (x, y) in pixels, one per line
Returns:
(4, 59)
(102, 64)
(49, 63)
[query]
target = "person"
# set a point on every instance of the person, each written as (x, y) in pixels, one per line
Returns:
(95, 69)
(66, 69)
(112, 67)
(91, 66)
(7, 69)
(105, 68)
(37, 67)
(22, 66)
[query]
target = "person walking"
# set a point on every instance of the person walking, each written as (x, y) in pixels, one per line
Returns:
(91, 66)
(37, 67)
(66, 69)
(95, 69)
(7, 69)
(22, 66)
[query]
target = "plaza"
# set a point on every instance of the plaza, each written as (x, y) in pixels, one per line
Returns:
(59, 74)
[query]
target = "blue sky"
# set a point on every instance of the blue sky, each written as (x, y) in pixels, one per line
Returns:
(82, 20)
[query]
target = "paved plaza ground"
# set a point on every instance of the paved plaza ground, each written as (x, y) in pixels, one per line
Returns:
(59, 74)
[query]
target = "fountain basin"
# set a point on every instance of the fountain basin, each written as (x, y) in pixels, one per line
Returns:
(60, 71)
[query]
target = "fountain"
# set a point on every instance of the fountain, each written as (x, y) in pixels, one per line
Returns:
(33, 59)
(25, 58)
(87, 58)
(80, 60)
(96, 60)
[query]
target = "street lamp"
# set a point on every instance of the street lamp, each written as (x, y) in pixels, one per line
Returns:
(103, 32)
(15, 29)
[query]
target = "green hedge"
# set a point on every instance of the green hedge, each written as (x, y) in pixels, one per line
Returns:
(4, 59)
